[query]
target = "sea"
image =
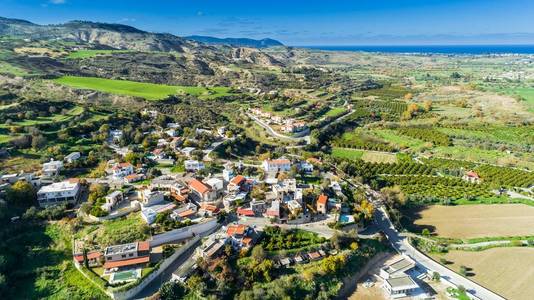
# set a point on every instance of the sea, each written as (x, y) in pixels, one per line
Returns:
(435, 49)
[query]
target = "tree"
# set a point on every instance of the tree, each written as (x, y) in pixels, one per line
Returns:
(463, 270)
(172, 290)
(21, 194)
(258, 253)
(38, 141)
(427, 105)
(354, 246)
(436, 276)
(425, 232)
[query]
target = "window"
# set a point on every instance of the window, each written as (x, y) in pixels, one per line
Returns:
(123, 256)
(131, 254)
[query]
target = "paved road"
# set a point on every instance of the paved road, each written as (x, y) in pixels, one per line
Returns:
(273, 132)
(401, 244)
(154, 286)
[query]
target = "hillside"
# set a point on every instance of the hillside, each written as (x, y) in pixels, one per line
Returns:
(238, 42)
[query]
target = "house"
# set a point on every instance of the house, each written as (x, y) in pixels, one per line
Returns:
(228, 172)
(93, 258)
(158, 154)
(294, 207)
(115, 135)
(305, 167)
(52, 168)
(240, 235)
(127, 255)
(10, 179)
(133, 178)
(236, 183)
(172, 132)
(122, 170)
(59, 193)
(111, 200)
(187, 151)
(149, 215)
(397, 268)
(193, 165)
(185, 212)
(322, 204)
(274, 210)
(314, 256)
(211, 248)
(216, 184)
(150, 197)
(245, 212)
(203, 191)
(74, 156)
(276, 165)
(472, 177)
(258, 206)
(400, 287)
(234, 199)
(208, 210)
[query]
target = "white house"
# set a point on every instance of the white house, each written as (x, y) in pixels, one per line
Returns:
(58, 193)
(217, 185)
(187, 211)
(187, 151)
(193, 165)
(275, 165)
(400, 287)
(115, 135)
(150, 197)
(52, 168)
(122, 170)
(74, 156)
(305, 167)
(111, 200)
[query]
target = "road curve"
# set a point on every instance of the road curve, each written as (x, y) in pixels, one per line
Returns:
(401, 244)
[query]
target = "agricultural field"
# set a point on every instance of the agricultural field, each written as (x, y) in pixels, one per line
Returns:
(368, 156)
(474, 221)
(507, 271)
(57, 118)
(80, 54)
(149, 91)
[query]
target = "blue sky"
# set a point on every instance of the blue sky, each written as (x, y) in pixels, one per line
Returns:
(299, 22)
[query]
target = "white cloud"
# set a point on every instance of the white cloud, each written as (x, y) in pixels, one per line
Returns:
(58, 1)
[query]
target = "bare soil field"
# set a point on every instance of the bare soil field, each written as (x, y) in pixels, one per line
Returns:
(471, 221)
(507, 271)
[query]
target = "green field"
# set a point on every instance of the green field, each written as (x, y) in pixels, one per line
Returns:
(5, 138)
(93, 53)
(347, 153)
(401, 141)
(57, 118)
(149, 91)
(526, 93)
(336, 111)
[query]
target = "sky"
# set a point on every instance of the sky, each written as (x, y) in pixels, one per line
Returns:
(299, 23)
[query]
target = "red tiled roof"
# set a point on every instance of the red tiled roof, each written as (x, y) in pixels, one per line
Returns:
(314, 255)
(245, 212)
(125, 165)
(282, 161)
(322, 199)
(272, 213)
(143, 246)
(198, 186)
(235, 229)
(238, 180)
(90, 255)
(127, 262)
(247, 241)
(186, 213)
(178, 197)
(157, 151)
(472, 174)
(209, 207)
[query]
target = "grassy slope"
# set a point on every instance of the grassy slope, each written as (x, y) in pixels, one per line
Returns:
(93, 53)
(149, 91)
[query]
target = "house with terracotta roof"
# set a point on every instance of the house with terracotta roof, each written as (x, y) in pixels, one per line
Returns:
(245, 212)
(208, 210)
(184, 212)
(129, 255)
(122, 170)
(93, 258)
(472, 177)
(322, 204)
(133, 178)
(202, 191)
(276, 165)
(236, 184)
(274, 210)
(241, 236)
